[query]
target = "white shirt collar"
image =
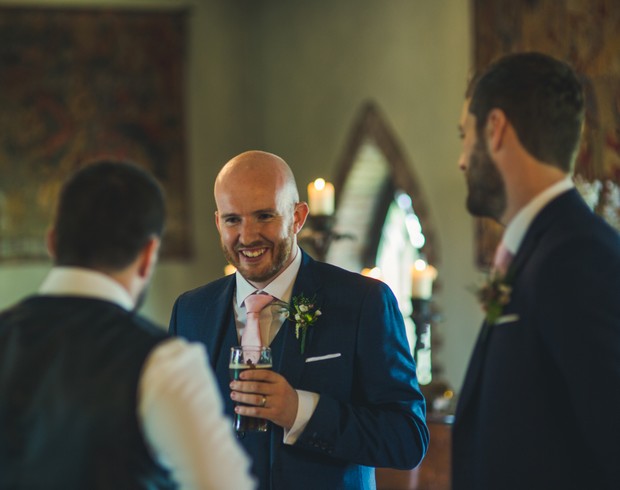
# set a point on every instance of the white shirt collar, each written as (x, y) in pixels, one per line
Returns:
(518, 226)
(76, 281)
(281, 287)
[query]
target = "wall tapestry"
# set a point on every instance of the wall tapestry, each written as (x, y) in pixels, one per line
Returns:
(585, 33)
(77, 84)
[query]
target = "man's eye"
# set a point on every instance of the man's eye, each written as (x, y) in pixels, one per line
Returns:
(231, 220)
(265, 216)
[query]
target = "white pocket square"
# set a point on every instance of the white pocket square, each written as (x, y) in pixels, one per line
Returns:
(506, 319)
(323, 358)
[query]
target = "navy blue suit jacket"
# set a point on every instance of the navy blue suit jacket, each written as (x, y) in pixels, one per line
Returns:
(371, 411)
(540, 405)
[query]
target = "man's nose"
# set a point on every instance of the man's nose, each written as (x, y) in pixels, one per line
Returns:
(249, 231)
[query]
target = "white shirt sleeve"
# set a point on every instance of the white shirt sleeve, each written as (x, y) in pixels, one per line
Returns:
(182, 418)
(307, 402)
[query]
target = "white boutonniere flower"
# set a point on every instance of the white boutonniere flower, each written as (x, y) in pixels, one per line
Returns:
(304, 313)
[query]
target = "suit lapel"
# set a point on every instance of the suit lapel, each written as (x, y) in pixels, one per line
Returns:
(476, 364)
(541, 224)
(292, 361)
(218, 322)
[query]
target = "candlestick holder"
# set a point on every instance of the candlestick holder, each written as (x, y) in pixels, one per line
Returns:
(319, 233)
(439, 396)
(422, 317)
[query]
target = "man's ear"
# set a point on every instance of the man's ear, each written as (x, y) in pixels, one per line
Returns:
(217, 220)
(299, 216)
(50, 242)
(148, 257)
(495, 129)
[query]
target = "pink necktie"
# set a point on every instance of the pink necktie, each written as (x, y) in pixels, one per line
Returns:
(253, 306)
(502, 259)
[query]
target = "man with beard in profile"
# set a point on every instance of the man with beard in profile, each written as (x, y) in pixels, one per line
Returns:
(92, 396)
(540, 401)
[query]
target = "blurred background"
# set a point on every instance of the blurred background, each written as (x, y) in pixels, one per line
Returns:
(365, 94)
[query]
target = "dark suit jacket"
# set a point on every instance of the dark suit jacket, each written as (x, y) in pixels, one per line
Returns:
(540, 405)
(370, 413)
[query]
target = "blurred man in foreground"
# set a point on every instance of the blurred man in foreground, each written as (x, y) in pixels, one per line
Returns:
(92, 396)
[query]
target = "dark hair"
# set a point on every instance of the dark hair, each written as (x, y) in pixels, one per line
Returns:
(107, 213)
(543, 100)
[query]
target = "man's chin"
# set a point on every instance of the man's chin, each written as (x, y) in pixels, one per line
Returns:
(254, 274)
(477, 213)
(474, 208)
(482, 210)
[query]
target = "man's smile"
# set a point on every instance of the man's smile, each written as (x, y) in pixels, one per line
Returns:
(253, 253)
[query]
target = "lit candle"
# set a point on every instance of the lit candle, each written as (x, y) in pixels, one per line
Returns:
(229, 269)
(321, 197)
(422, 277)
(375, 272)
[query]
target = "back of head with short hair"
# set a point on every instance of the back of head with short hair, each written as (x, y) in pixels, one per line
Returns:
(543, 100)
(107, 212)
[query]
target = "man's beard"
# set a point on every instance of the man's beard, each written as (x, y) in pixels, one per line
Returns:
(486, 190)
(282, 252)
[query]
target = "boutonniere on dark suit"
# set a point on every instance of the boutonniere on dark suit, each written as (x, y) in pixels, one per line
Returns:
(494, 295)
(304, 313)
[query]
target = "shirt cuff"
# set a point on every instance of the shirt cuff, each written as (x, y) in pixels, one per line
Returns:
(307, 402)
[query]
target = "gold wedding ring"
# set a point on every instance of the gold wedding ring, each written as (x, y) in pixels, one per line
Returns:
(263, 401)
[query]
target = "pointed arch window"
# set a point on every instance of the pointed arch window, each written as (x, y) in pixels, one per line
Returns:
(380, 202)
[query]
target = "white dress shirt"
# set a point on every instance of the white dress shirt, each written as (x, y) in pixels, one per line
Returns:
(518, 226)
(179, 405)
(271, 320)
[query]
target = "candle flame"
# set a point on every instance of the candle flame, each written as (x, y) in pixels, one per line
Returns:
(419, 265)
(375, 272)
(319, 184)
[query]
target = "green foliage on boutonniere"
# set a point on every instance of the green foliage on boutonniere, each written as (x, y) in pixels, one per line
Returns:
(493, 296)
(304, 313)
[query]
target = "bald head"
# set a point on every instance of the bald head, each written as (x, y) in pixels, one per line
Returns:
(258, 168)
